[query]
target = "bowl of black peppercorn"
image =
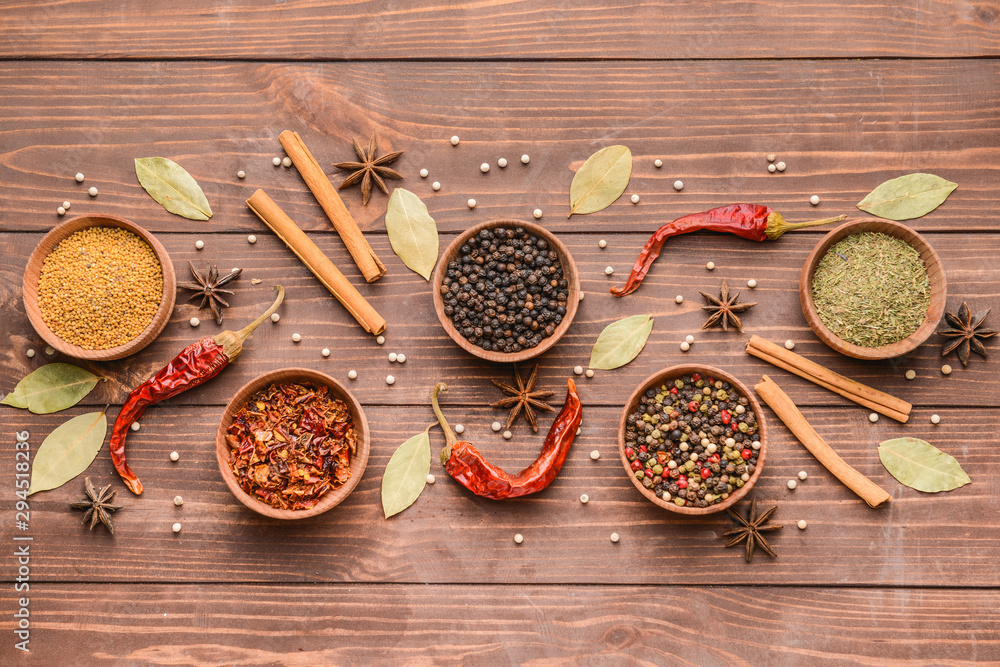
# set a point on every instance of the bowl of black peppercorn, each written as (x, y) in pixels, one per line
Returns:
(506, 290)
(692, 439)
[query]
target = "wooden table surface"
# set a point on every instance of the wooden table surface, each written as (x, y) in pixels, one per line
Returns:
(847, 94)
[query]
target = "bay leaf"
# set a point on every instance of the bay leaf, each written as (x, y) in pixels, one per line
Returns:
(412, 232)
(921, 466)
(405, 476)
(621, 342)
(172, 187)
(68, 451)
(907, 197)
(52, 388)
(601, 180)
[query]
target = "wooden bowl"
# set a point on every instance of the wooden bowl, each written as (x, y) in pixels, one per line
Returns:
(935, 273)
(29, 287)
(661, 377)
(570, 273)
(333, 497)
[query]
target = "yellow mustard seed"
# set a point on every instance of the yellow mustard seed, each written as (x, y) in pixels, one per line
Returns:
(100, 287)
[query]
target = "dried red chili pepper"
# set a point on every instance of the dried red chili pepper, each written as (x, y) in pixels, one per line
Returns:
(467, 465)
(198, 362)
(290, 444)
(751, 221)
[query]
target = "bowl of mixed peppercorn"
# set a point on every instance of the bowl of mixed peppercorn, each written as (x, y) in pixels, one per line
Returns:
(292, 443)
(506, 290)
(692, 439)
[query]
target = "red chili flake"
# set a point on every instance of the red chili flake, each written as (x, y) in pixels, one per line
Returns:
(735, 426)
(726, 417)
(673, 390)
(714, 458)
(705, 473)
(290, 444)
(746, 454)
(642, 448)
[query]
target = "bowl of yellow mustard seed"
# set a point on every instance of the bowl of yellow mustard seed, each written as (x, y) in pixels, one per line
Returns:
(99, 287)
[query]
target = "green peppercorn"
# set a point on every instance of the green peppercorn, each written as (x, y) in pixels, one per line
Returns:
(639, 474)
(657, 469)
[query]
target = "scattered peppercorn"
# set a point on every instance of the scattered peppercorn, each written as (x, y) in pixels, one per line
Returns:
(430, 478)
(873, 417)
(241, 174)
(792, 484)
(424, 173)
(710, 266)
(287, 162)
(946, 370)
(455, 140)
(802, 524)
(635, 199)
(178, 501)
(814, 200)
(751, 283)
(678, 185)
(615, 538)
(935, 419)
(276, 161)
(518, 538)
(174, 456)
(679, 298)
(910, 374)
(484, 167)
(537, 213)
(502, 162)
(803, 475)
(79, 178)
(135, 426)
(92, 192)
(176, 527)
(771, 168)
(100, 287)
(353, 375)
(296, 337)
(435, 186)
(525, 159)
(584, 498)
(657, 163)
(505, 291)
(594, 455)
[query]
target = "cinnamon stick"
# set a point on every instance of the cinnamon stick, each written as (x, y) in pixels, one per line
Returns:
(876, 400)
(314, 259)
(782, 405)
(331, 203)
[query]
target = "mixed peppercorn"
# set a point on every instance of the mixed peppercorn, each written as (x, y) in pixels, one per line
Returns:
(505, 291)
(692, 441)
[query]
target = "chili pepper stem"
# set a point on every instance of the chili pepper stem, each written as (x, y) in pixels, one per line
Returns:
(231, 342)
(776, 225)
(449, 435)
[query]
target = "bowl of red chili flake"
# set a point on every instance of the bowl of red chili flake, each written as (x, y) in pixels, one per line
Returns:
(692, 439)
(292, 443)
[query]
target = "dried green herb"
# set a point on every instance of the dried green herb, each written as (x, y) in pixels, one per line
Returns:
(172, 187)
(412, 232)
(921, 466)
(621, 342)
(68, 451)
(405, 475)
(907, 197)
(601, 180)
(52, 388)
(871, 289)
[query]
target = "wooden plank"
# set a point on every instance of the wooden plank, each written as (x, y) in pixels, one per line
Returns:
(659, 29)
(842, 128)
(404, 299)
(368, 624)
(451, 536)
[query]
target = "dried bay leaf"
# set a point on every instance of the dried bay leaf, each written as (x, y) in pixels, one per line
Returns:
(52, 388)
(406, 474)
(921, 466)
(68, 451)
(621, 342)
(412, 232)
(601, 180)
(907, 197)
(172, 187)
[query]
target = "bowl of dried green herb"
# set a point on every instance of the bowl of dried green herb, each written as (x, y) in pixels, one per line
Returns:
(292, 443)
(873, 289)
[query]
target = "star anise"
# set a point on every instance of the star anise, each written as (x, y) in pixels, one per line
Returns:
(750, 529)
(525, 396)
(209, 288)
(966, 333)
(724, 308)
(371, 168)
(98, 505)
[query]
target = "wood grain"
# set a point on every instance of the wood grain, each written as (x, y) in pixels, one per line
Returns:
(208, 624)
(451, 536)
(404, 299)
(843, 127)
(516, 29)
